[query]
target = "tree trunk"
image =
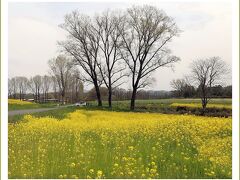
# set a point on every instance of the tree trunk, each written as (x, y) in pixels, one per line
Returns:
(98, 94)
(62, 99)
(63, 96)
(37, 95)
(110, 97)
(134, 93)
(204, 105)
(77, 96)
(20, 95)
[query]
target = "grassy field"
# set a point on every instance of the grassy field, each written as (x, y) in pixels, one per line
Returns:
(104, 144)
(154, 105)
(160, 103)
(199, 105)
(216, 107)
(56, 113)
(15, 104)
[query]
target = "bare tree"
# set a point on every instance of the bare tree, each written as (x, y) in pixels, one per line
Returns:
(178, 85)
(75, 86)
(12, 87)
(55, 88)
(22, 84)
(35, 85)
(32, 88)
(46, 84)
(147, 30)
(83, 46)
(110, 65)
(61, 69)
(206, 73)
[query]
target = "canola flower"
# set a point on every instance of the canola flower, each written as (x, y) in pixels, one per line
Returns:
(18, 102)
(100, 144)
(199, 105)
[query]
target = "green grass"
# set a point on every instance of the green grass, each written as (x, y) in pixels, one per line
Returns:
(162, 106)
(181, 100)
(155, 105)
(126, 103)
(56, 113)
(12, 107)
(199, 105)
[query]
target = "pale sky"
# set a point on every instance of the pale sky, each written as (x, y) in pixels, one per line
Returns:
(33, 33)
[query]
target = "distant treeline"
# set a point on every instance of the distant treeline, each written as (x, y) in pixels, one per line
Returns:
(45, 89)
(215, 92)
(187, 92)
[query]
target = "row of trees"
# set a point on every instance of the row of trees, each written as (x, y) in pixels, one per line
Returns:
(62, 82)
(206, 75)
(189, 91)
(114, 47)
(181, 90)
(120, 94)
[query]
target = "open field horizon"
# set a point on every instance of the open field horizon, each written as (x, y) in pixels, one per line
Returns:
(217, 107)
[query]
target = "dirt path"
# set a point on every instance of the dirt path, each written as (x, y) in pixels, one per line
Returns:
(29, 111)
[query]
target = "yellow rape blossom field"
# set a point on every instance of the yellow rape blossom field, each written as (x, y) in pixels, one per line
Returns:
(104, 144)
(17, 101)
(16, 104)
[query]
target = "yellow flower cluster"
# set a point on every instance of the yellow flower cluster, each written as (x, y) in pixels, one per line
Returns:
(18, 102)
(101, 144)
(199, 105)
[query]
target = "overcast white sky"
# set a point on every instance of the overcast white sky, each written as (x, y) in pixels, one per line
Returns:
(34, 32)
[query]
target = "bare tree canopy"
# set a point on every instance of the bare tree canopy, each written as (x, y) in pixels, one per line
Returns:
(55, 87)
(178, 85)
(12, 87)
(138, 37)
(83, 46)
(145, 35)
(22, 86)
(46, 85)
(205, 74)
(75, 88)
(35, 85)
(182, 88)
(61, 69)
(110, 64)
